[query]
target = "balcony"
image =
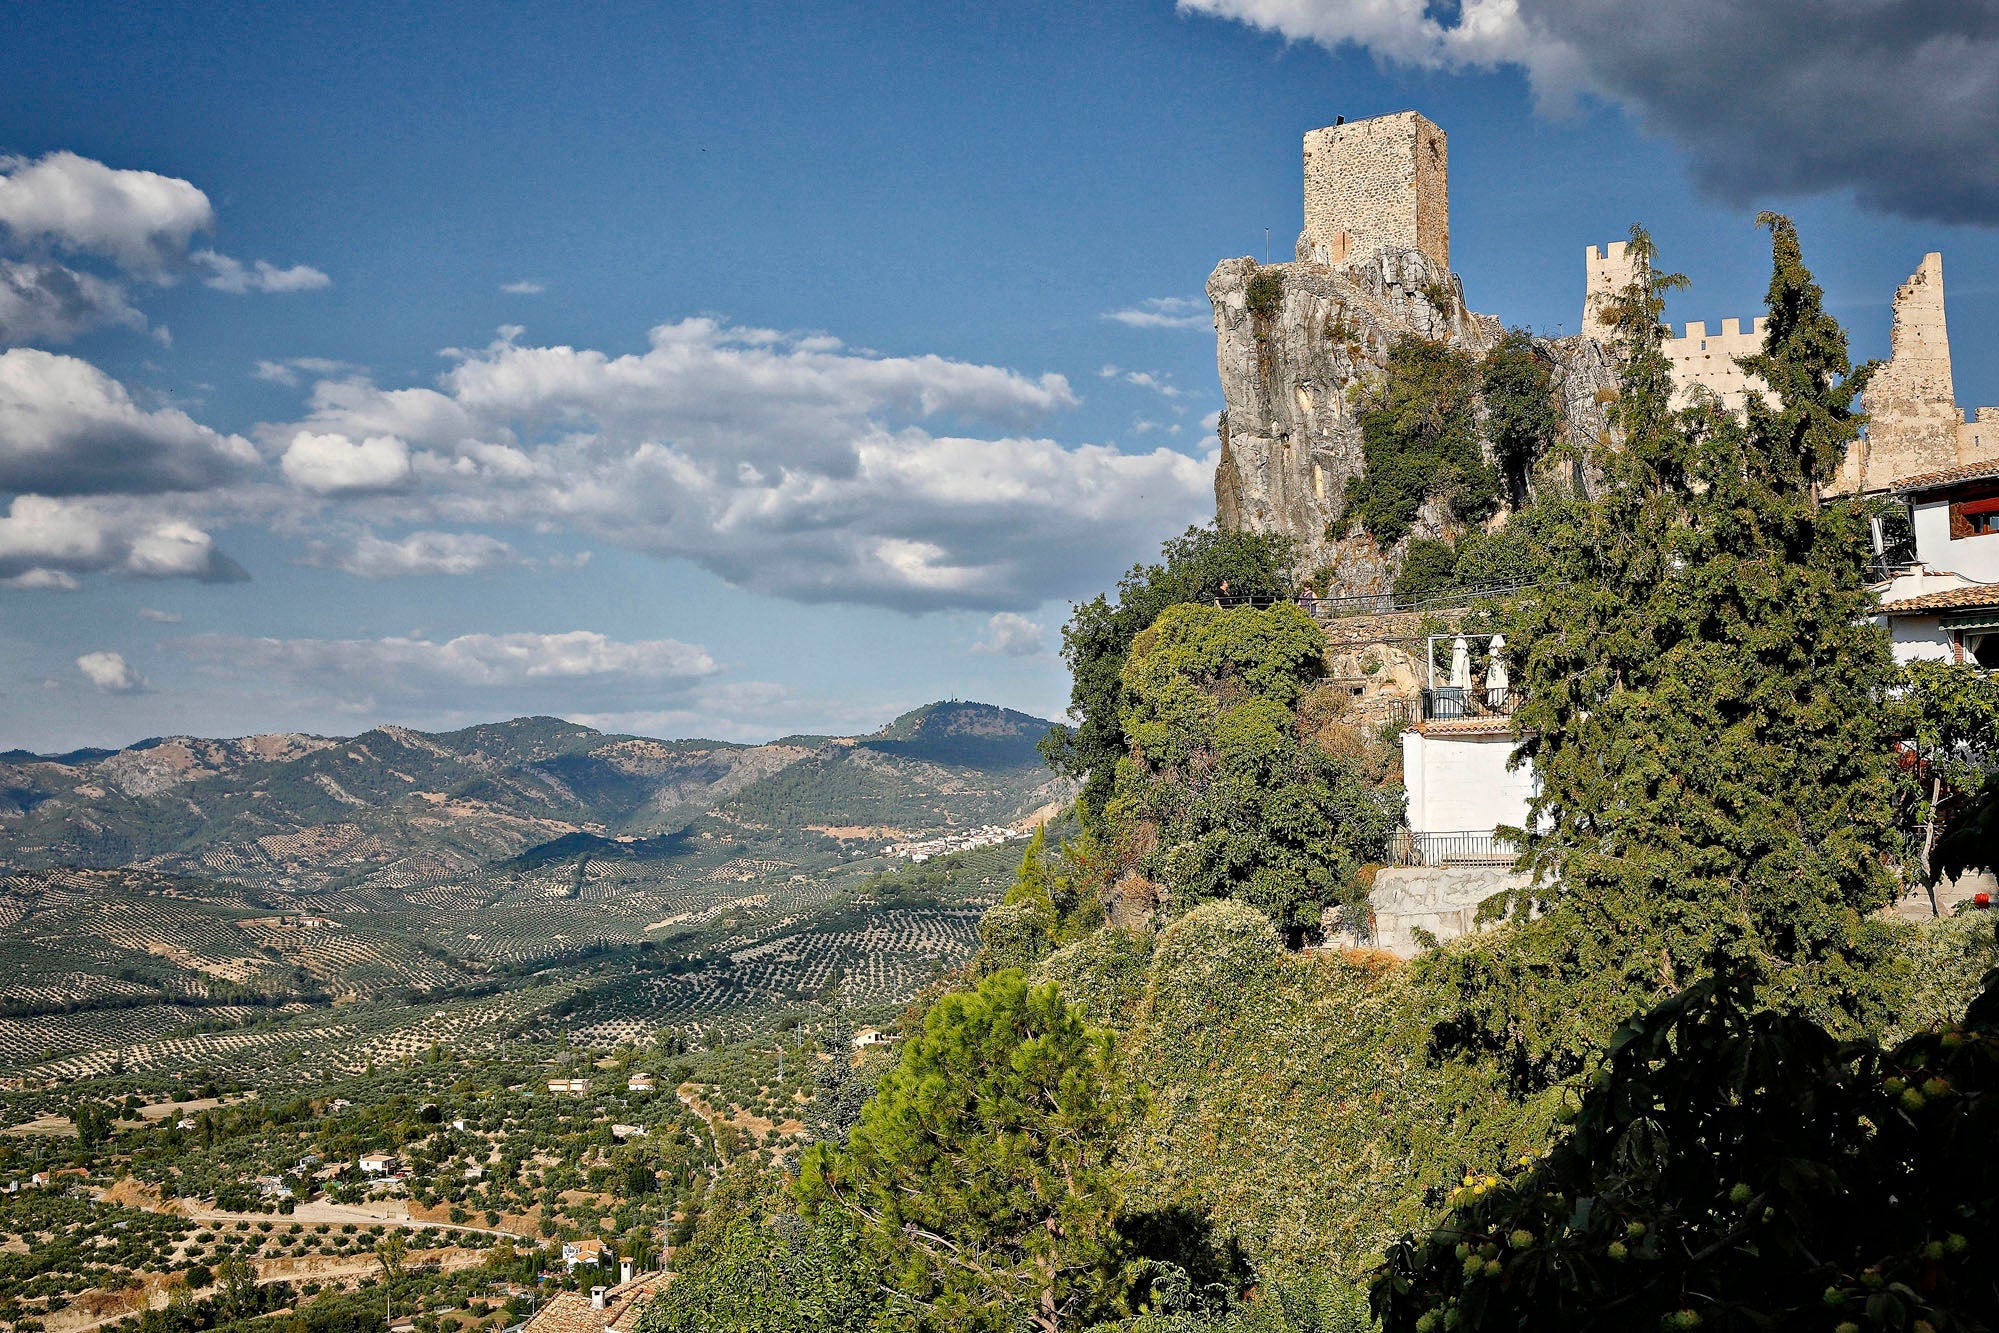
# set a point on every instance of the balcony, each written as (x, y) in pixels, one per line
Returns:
(1454, 703)
(1466, 847)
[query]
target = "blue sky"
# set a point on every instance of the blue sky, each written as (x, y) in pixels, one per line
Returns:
(808, 402)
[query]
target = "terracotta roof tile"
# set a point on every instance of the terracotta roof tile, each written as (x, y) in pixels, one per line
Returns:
(571, 1311)
(1924, 481)
(1953, 599)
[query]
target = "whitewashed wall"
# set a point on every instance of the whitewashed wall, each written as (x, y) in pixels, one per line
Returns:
(1461, 783)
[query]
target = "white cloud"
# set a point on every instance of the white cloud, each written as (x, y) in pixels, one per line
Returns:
(45, 580)
(140, 220)
(525, 287)
(111, 673)
(1010, 634)
(1165, 312)
(791, 466)
(67, 428)
(336, 465)
(1896, 101)
(586, 665)
(49, 302)
(159, 617)
(290, 369)
(43, 537)
(232, 275)
(372, 557)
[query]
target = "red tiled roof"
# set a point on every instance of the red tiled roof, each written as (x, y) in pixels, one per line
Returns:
(1953, 599)
(571, 1311)
(1925, 481)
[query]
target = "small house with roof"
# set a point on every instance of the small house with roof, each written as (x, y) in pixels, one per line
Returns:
(1941, 598)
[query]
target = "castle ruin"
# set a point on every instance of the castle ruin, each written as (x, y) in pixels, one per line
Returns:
(1300, 344)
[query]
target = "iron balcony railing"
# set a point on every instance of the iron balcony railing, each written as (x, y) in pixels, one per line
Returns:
(1449, 703)
(1467, 847)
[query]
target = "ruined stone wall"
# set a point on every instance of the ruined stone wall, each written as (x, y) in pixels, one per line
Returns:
(1375, 184)
(1911, 403)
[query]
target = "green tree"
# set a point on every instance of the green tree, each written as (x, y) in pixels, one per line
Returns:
(1706, 709)
(1735, 1168)
(1200, 565)
(982, 1170)
(1954, 729)
(1419, 437)
(1516, 381)
(1236, 784)
(1428, 567)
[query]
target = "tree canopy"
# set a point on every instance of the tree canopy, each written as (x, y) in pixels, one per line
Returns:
(1706, 705)
(1240, 782)
(1200, 565)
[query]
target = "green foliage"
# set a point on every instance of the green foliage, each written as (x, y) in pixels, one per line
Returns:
(1523, 552)
(1735, 1168)
(1953, 721)
(1103, 973)
(1522, 415)
(982, 1169)
(1419, 437)
(756, 1266)
(1265, 293)
(1200, 565)
(1291, 1100)
(1428, 567)
(1227, 791)
(1706, 711)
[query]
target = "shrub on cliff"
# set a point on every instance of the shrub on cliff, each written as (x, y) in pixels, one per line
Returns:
(1420, 439)
(1735, 1168)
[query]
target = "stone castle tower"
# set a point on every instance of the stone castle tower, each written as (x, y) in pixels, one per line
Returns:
(1376, 184)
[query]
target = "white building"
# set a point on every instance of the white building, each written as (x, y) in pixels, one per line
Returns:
(377, 1164)
(1945, 606)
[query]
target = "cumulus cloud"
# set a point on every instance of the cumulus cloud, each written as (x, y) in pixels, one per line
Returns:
(1165, 312)
(159, 617)
(1896, 100)
(372, 557)
(67, 428)
(787, 465)
(141, 221)
(47, 538)
(1010, 634)
(336, 465)
(111, 673)
(289, 370)
(49, 302)
(525, 287)
(43, 580)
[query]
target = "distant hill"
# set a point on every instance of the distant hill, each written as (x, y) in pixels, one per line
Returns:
(969, 735)
(413, 806)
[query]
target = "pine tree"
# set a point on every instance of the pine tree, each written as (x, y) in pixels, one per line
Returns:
(1706, 706)
(981, 1172)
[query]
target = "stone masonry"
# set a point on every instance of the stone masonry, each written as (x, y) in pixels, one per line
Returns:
(1377, 184)
(1915, 425)
(1699, 358)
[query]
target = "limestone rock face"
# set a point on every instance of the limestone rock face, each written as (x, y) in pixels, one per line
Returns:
(1297, 354)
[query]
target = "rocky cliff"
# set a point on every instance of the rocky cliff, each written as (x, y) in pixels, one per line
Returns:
(1298, 345)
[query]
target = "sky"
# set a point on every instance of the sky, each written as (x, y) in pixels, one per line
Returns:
(735, 370)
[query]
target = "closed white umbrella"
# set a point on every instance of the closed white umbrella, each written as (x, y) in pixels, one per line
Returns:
(1496, 682)
(1460, 664)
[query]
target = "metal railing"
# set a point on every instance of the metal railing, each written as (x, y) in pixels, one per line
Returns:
(1378, 603)
(1449, 703)
(1466, 847)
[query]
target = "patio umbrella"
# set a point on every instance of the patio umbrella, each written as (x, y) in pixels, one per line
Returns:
(1460, 664)
(1495, 671)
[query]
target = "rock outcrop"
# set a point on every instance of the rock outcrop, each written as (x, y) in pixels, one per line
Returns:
(1298, 346)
